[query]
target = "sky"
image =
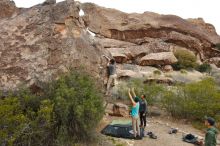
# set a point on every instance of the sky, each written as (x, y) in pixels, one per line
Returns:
(207, 9)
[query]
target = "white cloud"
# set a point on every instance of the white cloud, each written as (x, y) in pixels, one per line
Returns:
(207, 9)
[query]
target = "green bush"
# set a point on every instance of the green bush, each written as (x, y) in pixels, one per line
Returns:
(78, 106)
(157, 72)
(26, 119)
(183, 71)
(205, 67)
(186, 60)
(66, 113)
(193, 101)
(12, 120)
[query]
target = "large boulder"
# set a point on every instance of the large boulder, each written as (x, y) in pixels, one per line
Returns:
(163, 58)
(43, 42)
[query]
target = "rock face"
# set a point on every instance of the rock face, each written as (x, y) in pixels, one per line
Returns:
(163, 58)
(150, 28)
(44, 41)
(7, 8)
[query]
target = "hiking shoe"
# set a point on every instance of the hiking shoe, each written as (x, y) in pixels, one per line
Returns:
(149, 133)
(152, 135)
(173, 131)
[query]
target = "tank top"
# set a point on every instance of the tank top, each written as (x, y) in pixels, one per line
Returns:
(135, 110)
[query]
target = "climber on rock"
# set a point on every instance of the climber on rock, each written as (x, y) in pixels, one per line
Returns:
(111, 73)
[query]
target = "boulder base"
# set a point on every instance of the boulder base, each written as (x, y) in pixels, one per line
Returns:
(117, 109)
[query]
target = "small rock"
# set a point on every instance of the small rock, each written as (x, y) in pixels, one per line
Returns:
(168, 68)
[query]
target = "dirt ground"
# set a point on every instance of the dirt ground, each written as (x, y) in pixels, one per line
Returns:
(160, 127)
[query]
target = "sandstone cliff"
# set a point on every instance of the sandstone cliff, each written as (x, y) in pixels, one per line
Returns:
(152, 31)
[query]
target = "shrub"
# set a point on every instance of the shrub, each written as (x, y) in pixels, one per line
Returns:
(26, 120)
(78, 107)
(67, 112)
(193, 101)
(186, 60)
(205, 67)
(183, 71)
(157, 72)
(12, 120)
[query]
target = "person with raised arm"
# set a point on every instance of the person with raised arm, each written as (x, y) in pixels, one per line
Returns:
(135, 115)
(142, 109)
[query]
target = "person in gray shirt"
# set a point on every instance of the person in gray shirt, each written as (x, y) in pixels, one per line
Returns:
(112, 74)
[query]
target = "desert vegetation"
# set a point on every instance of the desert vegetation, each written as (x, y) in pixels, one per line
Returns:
(183, 101)
(205, 67)
(186, 60)
(66, 112)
